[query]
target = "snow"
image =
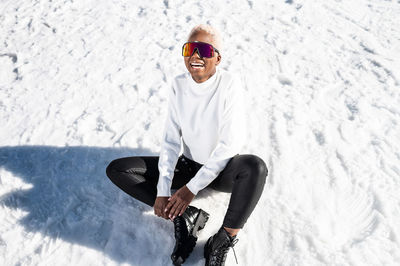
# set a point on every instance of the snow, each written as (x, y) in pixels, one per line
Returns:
(84, 82)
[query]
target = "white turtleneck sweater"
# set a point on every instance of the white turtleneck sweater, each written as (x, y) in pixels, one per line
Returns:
(207, 119)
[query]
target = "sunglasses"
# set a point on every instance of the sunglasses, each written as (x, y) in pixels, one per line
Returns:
(204, 49)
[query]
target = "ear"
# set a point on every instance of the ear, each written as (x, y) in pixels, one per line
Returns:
(218, 60)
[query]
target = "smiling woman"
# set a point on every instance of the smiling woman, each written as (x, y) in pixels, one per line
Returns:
(201, 58)
(206, 116)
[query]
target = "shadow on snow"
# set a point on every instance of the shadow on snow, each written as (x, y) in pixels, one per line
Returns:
(71, 198)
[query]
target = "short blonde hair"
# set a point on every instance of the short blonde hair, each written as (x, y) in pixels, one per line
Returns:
(210, 30)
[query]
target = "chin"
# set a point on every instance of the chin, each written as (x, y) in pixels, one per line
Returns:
(197, 73)
(197, 77)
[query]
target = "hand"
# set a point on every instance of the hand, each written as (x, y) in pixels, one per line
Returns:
(159, 207)
(178, 202)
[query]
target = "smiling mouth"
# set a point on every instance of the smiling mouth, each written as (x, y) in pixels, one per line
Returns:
(197, 65)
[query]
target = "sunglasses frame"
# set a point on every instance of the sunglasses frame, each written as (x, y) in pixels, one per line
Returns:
(214, 49)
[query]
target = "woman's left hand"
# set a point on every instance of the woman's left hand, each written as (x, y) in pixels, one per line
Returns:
(178, 202)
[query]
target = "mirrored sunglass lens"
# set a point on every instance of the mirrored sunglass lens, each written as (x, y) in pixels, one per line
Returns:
(205, 50)
(187, 49)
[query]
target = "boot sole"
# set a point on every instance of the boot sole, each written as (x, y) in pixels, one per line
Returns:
(199, 224)
(201, 221)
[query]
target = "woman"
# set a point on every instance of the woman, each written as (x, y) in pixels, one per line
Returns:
(206, 117)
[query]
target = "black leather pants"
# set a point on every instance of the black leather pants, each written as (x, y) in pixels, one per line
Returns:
(244, 176)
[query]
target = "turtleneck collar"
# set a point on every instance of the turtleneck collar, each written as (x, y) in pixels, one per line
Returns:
(203, 85)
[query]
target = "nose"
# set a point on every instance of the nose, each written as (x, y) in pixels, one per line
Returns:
(196, 53)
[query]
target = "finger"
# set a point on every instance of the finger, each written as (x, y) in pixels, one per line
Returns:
(160, 213)
(169, 205)
(165, 212)
(173, 209)
(183, 209)
(171, 197)
(178, 210)
(164, 216)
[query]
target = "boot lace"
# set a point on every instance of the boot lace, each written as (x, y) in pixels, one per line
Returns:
(220, 255)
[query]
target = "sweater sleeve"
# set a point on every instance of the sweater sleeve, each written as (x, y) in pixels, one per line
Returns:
(170, 147)
(231, 136)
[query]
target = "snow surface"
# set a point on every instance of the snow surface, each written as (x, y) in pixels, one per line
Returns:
(84, 82)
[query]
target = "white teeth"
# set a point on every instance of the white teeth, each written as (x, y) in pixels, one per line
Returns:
(197, 65)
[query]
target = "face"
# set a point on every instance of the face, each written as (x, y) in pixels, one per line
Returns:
(208, 68)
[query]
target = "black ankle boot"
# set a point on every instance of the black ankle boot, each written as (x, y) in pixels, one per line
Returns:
(186, 227)
(217, 247)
